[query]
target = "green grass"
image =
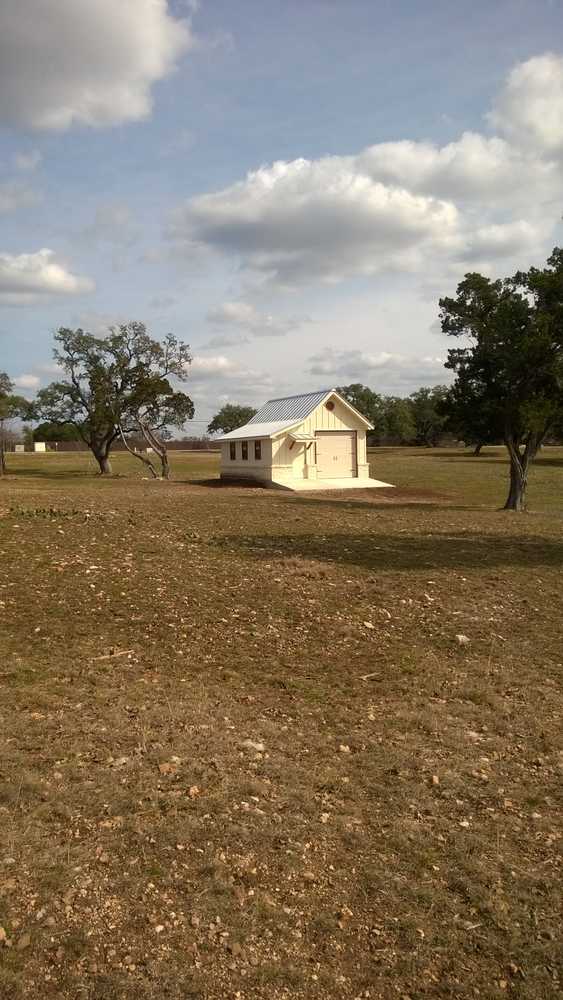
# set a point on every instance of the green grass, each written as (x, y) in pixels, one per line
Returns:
(452, 472)
(398, 834)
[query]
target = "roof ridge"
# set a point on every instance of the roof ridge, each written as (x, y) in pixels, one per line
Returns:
(298, 395)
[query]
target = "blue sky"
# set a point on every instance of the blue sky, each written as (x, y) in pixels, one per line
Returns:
(287, 186)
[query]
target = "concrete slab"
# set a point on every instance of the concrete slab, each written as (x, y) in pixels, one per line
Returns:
(310, 485)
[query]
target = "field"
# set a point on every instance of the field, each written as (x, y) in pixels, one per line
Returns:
(263, 745)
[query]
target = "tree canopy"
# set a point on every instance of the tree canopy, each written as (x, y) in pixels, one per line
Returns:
(11, 406)
(369, 403)
(229, 417)
(513, 366)
(117, 385)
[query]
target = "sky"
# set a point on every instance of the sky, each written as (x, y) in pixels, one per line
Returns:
(288, 187)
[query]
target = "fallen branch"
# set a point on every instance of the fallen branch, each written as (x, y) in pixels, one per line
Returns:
(110, 656)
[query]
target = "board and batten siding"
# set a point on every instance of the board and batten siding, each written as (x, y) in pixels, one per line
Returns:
(289, 463)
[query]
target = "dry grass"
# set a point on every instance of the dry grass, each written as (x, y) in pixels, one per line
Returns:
(244, 755)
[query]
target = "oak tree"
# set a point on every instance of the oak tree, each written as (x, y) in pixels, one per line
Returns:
(514, 361)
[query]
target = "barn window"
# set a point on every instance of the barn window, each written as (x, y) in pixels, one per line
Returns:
(244, 448)
(233, 451)
(257, 450)
(329, 405)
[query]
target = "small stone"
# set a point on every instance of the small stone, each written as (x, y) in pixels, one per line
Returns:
(3, 935)
(23, 942)
(235, 949)
(435, 779)
(309, 876)
(344, 748)
(50, 922)
(194, 921)
(462, 640)
(159, 928)
(252, 745)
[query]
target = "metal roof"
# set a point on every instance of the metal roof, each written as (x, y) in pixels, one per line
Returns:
(290, 408)
(262, 430)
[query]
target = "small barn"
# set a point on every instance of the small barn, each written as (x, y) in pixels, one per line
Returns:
(313, 441)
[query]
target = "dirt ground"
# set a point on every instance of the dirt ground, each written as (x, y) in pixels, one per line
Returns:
(263, 745)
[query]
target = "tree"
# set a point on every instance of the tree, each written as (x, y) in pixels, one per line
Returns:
(55, 432)
(229, 417)
(86, 399)
(470, 416)
(514, 364)
(400, 425)
(117, 385)
(428, 420)
(149, 403)
(11, 406)
(369, 404)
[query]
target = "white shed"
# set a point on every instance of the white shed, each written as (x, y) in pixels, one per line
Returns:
(307, 442)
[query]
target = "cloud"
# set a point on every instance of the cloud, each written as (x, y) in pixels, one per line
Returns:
(388, 372)
(79, 62)
(396, 206)
(246, 317)
(315, 220)
(28, 277)
(28, 161)
(27, 381)
(225, 340)
(529, 108)
(206, 368)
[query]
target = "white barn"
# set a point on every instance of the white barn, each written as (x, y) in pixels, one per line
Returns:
(313, 441)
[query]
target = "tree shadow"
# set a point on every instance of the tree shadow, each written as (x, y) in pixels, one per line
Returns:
(38, 473)
(405, 552)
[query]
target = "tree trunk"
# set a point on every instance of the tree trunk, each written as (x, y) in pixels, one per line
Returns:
(157, 445)
(519, 466)
(477, 449)
(101, 454)
(105, 464)
(517, 491)
(2, 459)
(137, 454)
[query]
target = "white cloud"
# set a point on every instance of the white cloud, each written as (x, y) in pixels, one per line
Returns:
(28, 161)
(316, 219)
(218, 379)
(14, 195)
(27, 277)
(245, 316)
(385, 371)
(27, 381)
(204, 368)
(84, 62)
(397, 206)
(529, 108)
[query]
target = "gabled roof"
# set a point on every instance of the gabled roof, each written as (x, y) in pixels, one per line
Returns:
(279, 415)
(291, 408)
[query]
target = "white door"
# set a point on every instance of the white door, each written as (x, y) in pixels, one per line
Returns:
(336, 454)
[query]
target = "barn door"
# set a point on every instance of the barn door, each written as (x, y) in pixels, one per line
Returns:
(336, 454)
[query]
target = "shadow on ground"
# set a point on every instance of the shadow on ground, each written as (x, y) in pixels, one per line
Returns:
(409, 552)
